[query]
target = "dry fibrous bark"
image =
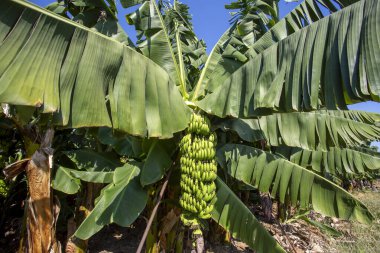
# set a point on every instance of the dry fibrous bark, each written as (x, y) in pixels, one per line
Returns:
(42, 209)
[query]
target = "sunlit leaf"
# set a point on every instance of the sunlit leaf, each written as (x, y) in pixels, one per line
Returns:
(84, 77)
(329, 63)
(231, 213)
(280, 177)
(121, 202)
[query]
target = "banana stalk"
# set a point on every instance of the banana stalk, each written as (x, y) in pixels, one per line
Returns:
(198, 173)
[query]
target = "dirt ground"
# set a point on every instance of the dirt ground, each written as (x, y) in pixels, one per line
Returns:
(295, 237)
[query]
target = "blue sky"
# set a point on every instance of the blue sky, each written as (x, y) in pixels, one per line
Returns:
(210, 20)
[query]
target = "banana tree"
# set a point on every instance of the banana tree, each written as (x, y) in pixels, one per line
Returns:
(330, 154)
(43, 208)
(78, 77)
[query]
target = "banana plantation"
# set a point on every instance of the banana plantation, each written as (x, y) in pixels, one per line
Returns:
(185, 148)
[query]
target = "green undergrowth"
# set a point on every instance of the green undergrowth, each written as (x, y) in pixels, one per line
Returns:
(363, 238)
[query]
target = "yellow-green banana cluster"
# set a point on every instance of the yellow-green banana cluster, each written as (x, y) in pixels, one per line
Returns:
(198, 168)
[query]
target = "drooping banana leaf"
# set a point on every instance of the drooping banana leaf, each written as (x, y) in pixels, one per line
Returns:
(231, 213)
(157, 162)
(308, 130)
(248, 129)
(367, 150)
(86, 165)
(335, 161)
(329, 63)
(101, 177)
(230, 53)
(69, 180)
(84, 77)
(306, 13)
(89, 160)
(270, 173)
(121, 202)
(361, 116)
(65, 182)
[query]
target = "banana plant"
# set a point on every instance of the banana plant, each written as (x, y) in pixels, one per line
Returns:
(43, 206)
(273, 72)
(329, 154)
(338, 156)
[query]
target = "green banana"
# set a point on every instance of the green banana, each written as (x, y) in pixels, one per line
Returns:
(198, 170)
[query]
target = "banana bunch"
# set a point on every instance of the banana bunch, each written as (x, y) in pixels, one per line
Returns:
(198, 168)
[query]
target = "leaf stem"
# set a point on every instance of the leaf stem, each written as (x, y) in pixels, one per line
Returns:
(182, 84)
(180, 56)
(154, 212)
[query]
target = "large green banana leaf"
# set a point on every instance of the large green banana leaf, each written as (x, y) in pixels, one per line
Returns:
(367, 150)
(166, 36)
(92, 161)
(231, 213)
(85, 77)
(121, 202)
(86, 165)
(332, 62)
(309, 130)
(335, 161)
(232, 50)
(270, 173)
(65, 182)
(361, 116)
(306, 13)
(158, 161)
(68, 180)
